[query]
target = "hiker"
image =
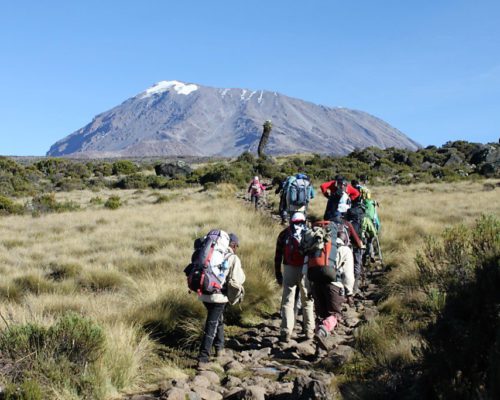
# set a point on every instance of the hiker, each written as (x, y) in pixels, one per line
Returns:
(340, 194)
(293, 278)
(225, 280)
(255, 189)
(370, 207)
(355, 215)
(296, 193)
(330, 271)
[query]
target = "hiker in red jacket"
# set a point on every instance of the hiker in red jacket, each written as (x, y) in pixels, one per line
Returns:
(255, 189)
(290, 273)
(337, 192)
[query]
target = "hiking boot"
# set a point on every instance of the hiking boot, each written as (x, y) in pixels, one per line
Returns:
(320, 338)
(285, 337)
(203, 365)
(220, 353)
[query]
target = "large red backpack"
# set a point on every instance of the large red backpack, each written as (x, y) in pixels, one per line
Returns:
(321, 249)
(208, 270)
(292, 254)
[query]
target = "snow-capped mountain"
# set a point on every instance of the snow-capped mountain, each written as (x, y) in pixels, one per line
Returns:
(176, 118)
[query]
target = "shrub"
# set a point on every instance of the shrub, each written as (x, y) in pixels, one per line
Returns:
(96, 200)
(124, 167)
(113, 202)
(133, 181)
(465, 268)
(60, 357)
(7, 206)
(47, 203)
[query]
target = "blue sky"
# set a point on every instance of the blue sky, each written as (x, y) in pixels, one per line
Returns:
(429, 68)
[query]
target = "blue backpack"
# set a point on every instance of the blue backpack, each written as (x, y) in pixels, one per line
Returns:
(297, 189)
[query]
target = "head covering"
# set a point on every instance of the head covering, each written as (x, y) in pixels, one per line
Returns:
(298, 217)
(234, 239)
(342, 236)
(255, 178)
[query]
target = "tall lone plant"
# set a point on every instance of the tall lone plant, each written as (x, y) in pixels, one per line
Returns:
(268, 126)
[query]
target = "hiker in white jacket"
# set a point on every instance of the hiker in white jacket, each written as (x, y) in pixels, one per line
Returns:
(216, 303)
(345, 264)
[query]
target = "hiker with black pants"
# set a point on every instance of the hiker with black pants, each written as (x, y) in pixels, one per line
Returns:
(215, 304)
(331, 274)
(355, 216)
(339, 194)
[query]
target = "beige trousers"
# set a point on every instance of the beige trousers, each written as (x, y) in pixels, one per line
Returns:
(293, 278)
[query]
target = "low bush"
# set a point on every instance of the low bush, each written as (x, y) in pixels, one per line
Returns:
(463, 271)
(7, 206)
(61, 358)
(124, 167)
(113, 202)
(47, 203)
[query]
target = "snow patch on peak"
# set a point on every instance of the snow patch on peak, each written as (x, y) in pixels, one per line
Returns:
(259, 100)
(163, 86)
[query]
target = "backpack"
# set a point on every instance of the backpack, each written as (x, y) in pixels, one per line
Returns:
(292, 254)
(297, 191)
(209, 267)
(319, 244)
(255, 188)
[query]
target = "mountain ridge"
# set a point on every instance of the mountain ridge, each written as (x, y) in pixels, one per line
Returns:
(175, 118)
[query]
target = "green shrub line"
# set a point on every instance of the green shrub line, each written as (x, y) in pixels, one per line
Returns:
(452, 332)
(453, 161)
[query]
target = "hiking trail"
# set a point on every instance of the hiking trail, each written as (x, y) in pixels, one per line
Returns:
(257, 366)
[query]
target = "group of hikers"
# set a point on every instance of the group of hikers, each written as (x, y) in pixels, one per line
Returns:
(318, 263)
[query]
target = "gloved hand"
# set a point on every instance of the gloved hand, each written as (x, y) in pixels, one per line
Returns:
(279, 279)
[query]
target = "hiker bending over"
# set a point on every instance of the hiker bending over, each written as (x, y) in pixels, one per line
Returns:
(296, 193)
(293, 277)
(340, 194)
(331, 274)
(219, 281)
(255, 189)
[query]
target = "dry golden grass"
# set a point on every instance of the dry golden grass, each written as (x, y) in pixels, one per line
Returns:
(123, 268)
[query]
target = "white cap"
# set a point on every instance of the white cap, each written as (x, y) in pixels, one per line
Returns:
(255, 178)
(298, 217)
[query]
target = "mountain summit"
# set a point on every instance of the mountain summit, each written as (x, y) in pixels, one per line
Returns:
(176, 118)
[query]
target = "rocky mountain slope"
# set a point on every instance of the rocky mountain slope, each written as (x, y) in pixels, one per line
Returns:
(174, 118)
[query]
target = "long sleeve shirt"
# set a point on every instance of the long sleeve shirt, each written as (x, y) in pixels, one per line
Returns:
(256, 192)
(345, 264)
(355, 239)
(328, 188)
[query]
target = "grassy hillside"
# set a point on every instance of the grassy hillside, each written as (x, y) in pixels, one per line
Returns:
(112, 280)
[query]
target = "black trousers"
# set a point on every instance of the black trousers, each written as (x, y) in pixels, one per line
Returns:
(328, 299)
(214, 330)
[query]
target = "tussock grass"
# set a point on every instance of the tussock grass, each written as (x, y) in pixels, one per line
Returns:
(123, 269)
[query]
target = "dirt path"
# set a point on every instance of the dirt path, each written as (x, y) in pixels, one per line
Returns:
(257, 366)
